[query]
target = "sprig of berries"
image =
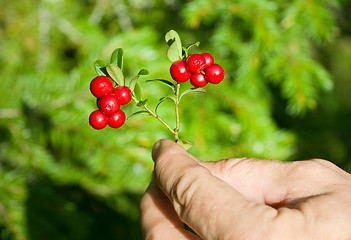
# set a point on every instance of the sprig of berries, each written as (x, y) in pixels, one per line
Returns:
(112, 92)
(109, 101)
(199, 68)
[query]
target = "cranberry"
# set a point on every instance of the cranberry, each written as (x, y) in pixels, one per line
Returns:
(98, 120)
(179, 72)
(214, 74)
(208, 59)
(109, 104)
(196, 63)
(100, 86)
(117, 119)
(124, 94)
(198, 80)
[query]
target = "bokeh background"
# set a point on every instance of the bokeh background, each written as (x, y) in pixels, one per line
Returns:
(286, 96)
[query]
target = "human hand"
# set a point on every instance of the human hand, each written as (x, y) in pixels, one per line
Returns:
(244, 198)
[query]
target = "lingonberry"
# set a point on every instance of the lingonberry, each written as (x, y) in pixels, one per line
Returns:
(100, 86)
(117, 119)
(109, 104)
(208, 59)
(98, 120)
(198, 80)
(196, 63)
(123, 94)
(179, 72)
(214, 74)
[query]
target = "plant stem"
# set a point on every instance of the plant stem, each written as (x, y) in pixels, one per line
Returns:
(176, 130)
(152, 113)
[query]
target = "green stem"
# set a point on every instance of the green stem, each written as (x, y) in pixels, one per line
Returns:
(176, 130)
(152, 113)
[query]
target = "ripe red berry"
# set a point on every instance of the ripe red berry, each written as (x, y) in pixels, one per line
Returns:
(98, 120)
(117, 119)
(179, 72)
(198, 80)
(196, 63)
(109, 104)
(100, 86)
(123, 94)
(208, 59)
(214, 74)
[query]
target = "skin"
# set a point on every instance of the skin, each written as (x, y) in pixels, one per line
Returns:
(242, 198)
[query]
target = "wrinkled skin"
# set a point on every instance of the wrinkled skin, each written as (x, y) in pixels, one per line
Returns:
(244, 198)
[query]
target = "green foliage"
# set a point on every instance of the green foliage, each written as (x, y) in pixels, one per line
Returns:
(60, 179)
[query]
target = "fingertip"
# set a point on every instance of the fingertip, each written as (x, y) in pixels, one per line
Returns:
(165, 145)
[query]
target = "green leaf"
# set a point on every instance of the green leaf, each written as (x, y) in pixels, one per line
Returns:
(117, 57)
(135, 79)
(174, 52)
(192, 90)
(100, 67)
(142, 103)
(163, 81)
(163, 99)
(196, 44)
(143, 72)
(137, 92)
(115, 73)
(138, 113)
(185, 144)
(187, 47)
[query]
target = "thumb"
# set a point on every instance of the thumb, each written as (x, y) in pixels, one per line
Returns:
(211, 207)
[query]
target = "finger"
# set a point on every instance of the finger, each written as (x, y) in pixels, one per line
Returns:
(274, 182)
(207, 204)
(158, 218)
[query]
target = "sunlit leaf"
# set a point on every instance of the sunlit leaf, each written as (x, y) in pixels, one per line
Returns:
(163, 81)
(138, 113)
(100, 68)
(115, 73)
(174, 52)
(192, 90)
(137, 92)
(143, 72)
(142, 103)
(117, 57)
(163, 99)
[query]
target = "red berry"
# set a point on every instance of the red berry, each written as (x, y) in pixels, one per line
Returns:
(117, 119)
(124, 94)
(196, 63)
(198, 80)
(214, 74)
(109, 104)
(208, 58)
(100, 86)
(98, 120)
(179, 72)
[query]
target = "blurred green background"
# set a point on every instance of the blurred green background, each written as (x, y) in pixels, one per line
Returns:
(286, 96)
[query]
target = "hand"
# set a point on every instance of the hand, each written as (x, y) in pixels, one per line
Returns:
(244, 198)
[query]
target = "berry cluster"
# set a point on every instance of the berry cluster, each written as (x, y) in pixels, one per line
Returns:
(199, 68)
(109, 101)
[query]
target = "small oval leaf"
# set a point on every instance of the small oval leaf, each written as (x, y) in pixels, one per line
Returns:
(138, 113)
(117, 57)
(100, 68)
(163, 81)
(192, 90)
(137, 92)
(115, 73)
(142, 103)
(174, 52)
(143, 72)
